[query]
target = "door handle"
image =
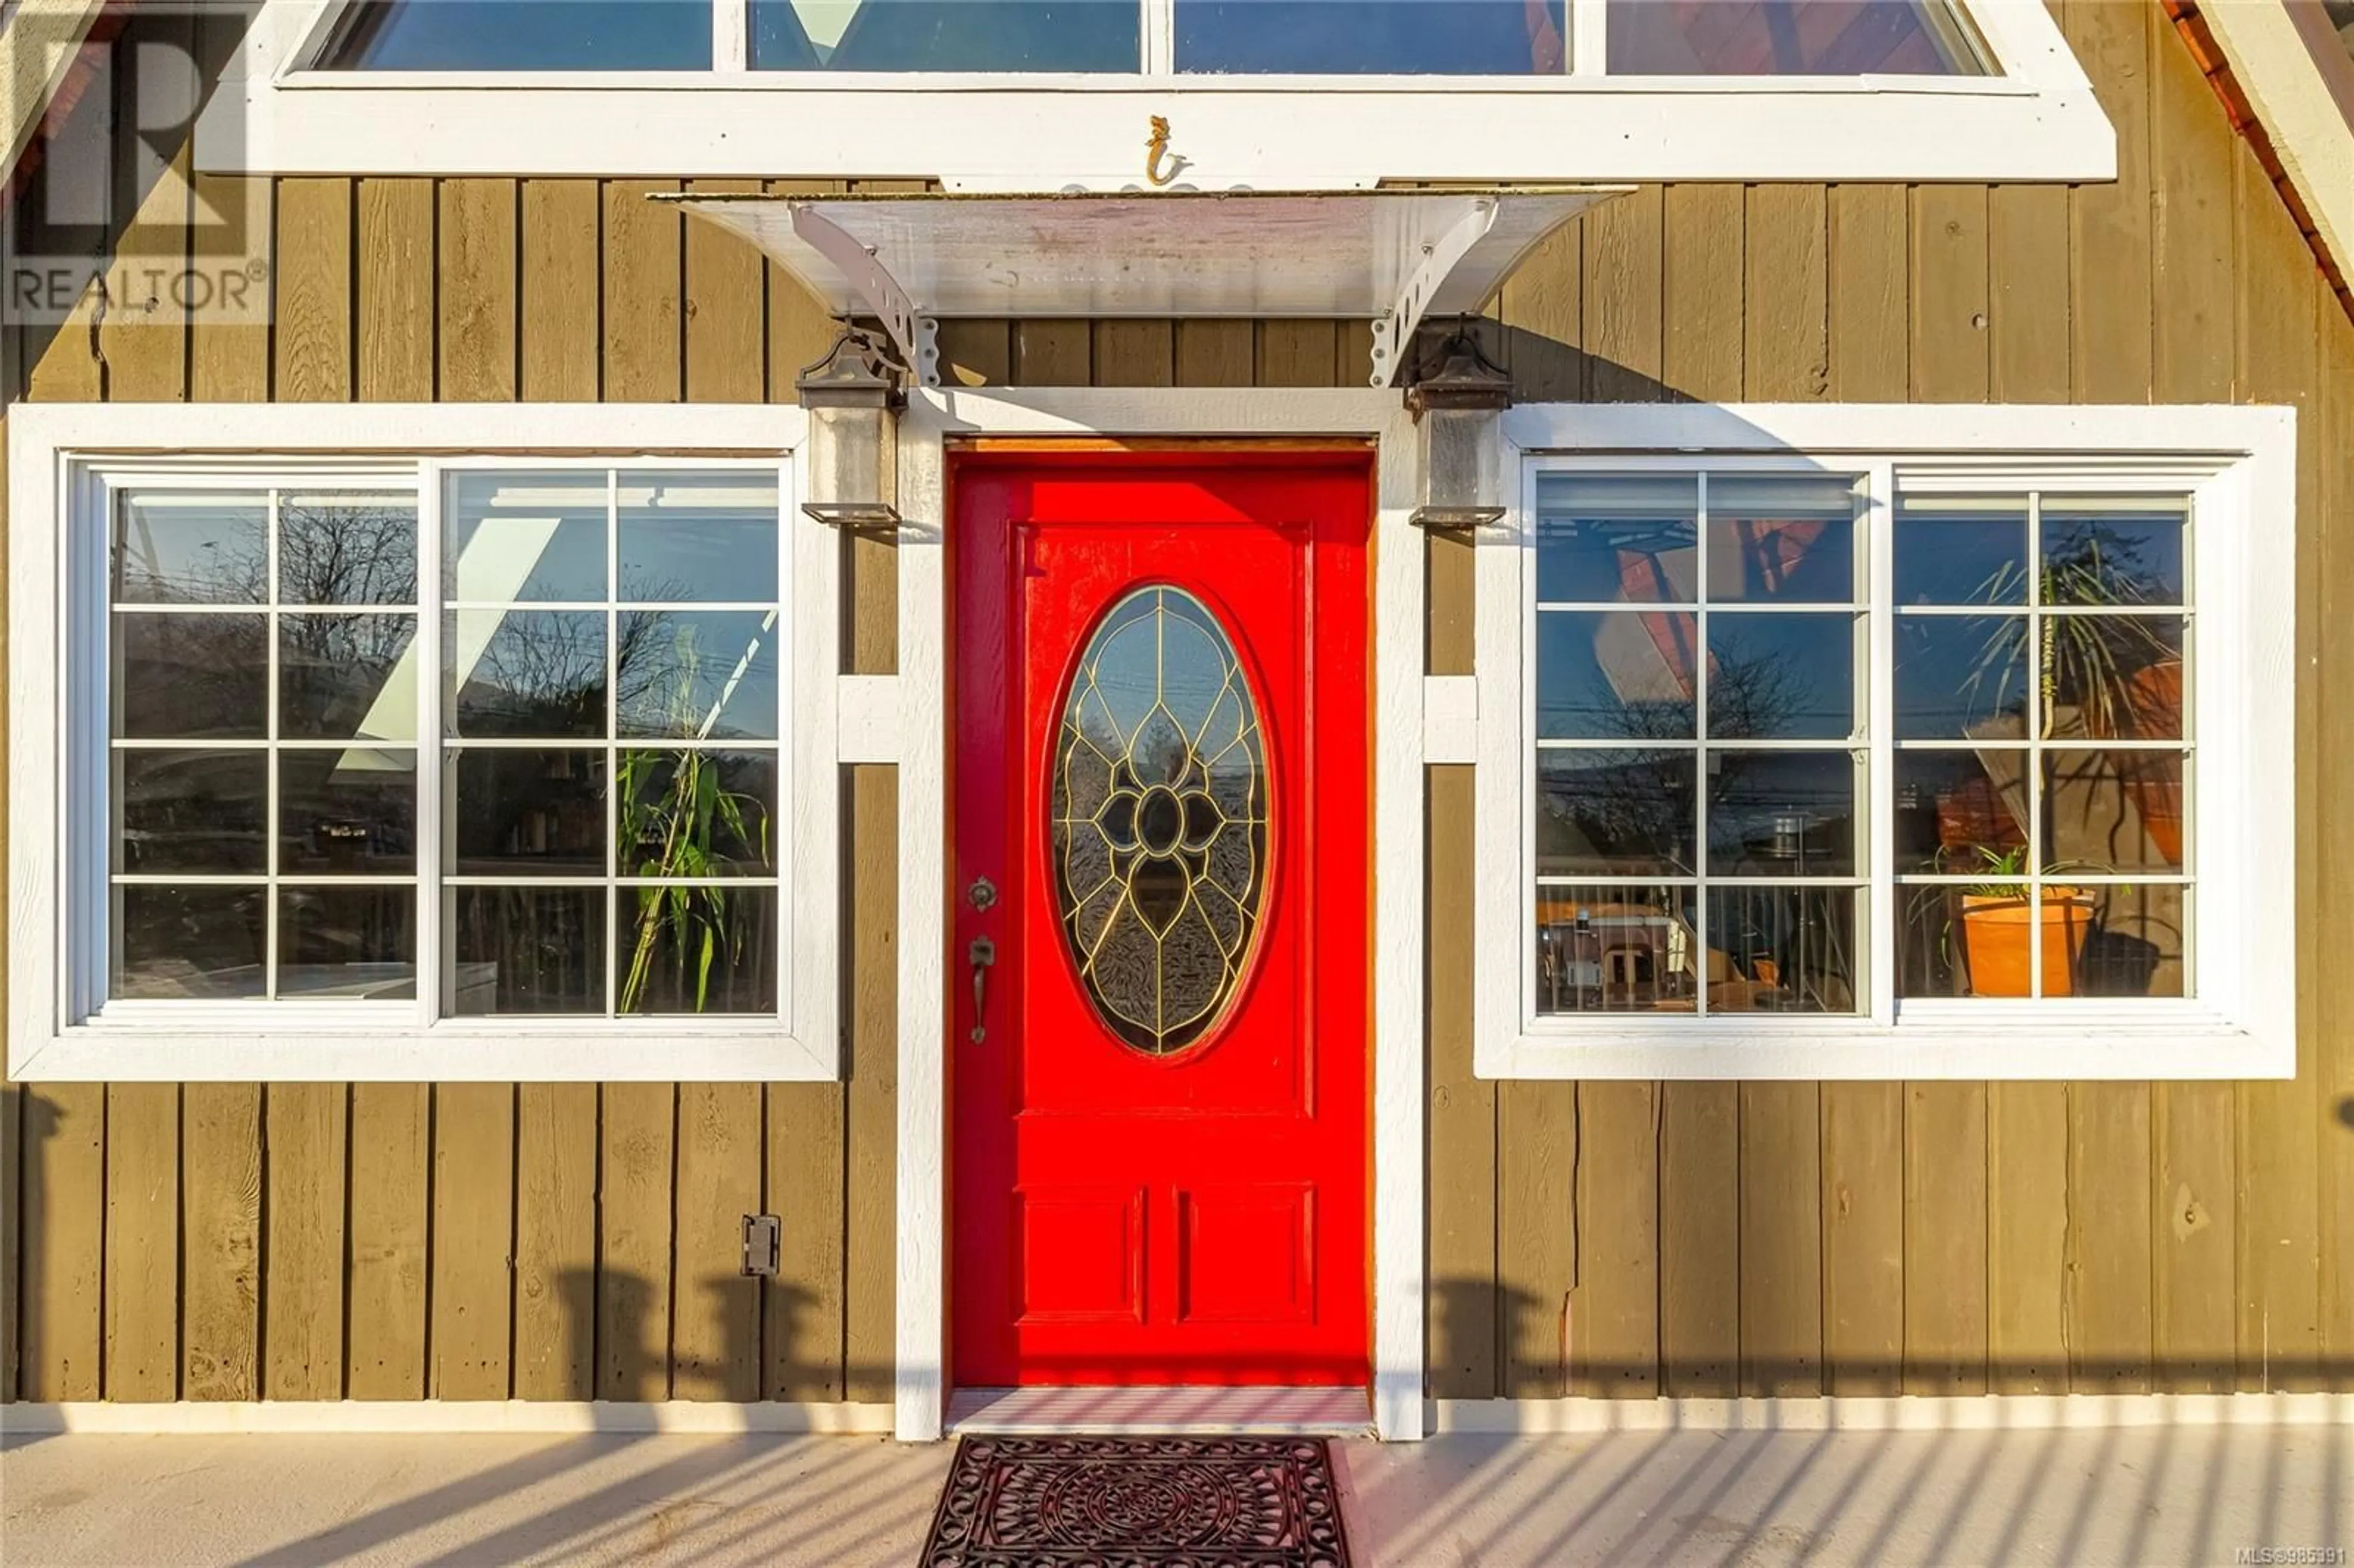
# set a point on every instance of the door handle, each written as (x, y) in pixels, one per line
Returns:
(980, 952)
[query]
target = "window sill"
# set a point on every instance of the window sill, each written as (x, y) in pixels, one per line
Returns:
(504, 1051)
(2030, 1041)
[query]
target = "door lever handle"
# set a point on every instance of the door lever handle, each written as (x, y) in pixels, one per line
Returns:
(980, 952)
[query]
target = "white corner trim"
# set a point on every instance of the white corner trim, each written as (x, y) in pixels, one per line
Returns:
(924, 868)
(1450, 718)
(60, 456)
(1907, 1413)
(437, 1416)
(2238, 463)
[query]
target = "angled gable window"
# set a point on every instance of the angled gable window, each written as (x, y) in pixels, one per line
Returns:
(1386, 37)
(1007, 35)
(1791, 38)
(522, 35)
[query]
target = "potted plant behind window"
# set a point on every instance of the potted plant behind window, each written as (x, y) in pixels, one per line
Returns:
(2107, 676)
(2001, 926)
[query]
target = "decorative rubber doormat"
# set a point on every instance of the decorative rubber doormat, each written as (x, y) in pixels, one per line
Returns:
(1139, 1503)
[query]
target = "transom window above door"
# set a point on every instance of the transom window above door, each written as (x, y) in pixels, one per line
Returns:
(1298, 38)
(1040, 96)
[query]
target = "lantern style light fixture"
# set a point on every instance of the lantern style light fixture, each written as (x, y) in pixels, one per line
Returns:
(1456, 407)
(852, 397)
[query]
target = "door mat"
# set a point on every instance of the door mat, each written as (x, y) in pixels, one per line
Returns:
(1139, 1503)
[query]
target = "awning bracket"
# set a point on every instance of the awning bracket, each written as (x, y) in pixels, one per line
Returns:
(1394, 330)
(915, 334)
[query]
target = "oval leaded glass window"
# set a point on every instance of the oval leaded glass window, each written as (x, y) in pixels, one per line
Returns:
(1159, 818)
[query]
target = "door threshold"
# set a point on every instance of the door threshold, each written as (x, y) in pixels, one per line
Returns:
(1176, 1412)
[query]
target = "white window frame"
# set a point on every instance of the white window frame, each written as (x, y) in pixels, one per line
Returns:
(2036, 119)
(2239, 465)
(63, 460)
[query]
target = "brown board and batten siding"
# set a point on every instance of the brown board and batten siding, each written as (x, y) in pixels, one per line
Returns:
(573, 1241)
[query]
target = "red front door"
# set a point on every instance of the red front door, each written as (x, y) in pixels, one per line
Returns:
(1159, 1071)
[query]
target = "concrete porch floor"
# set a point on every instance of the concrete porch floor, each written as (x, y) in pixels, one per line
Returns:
(2193, 1494)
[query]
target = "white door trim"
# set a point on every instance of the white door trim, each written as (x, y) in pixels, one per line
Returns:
(932, 416)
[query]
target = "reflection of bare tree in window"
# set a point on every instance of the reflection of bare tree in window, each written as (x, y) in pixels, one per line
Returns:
(336, 553)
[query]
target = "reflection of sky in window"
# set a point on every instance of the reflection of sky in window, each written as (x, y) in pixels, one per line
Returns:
(525, 537)
(191, 549)
(1372, 37)
(703, 675)
(526, 35)
(1100, 36)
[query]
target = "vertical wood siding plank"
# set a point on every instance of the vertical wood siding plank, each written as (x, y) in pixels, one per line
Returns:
(1135, 353)
(643, 347)
(1788, 358)
(870, 1293)
(1945, 1238)
(2193, 1324)
(228, 340)
(976, 353)
(561, 326)
(800, 330)
(302, 1246)
(635, 1166)
(555, 1301)
(1781, 1240)
(2027, 263)
(390, 1151)
(1700, 1228)
(2109, 290)
(2191, 157)
(2109, 1238)
(477, 294)
(64, 1154)
(220, 1314)
(1214, 354)
(1950, 309)
(473, 1240)
(312, 324)
(1870, 294)
(142, 1242)
(395, 291)
(1543, 307)
(1614, 1332)
(1863, 1237)
(144, 335)
(2279, 1325)
(725, 306)
(1462, 1303)
(1622, 287)
(2334, 1106)
(1353, 353)
(1052, 353)
(12, 1166)
(2028, 1238)
(716, 1330)
(1538, 1154)
(1297, 352)
(801, 1307)
(1702, 280)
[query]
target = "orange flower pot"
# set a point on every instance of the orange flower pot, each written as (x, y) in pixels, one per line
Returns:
(1998, 928)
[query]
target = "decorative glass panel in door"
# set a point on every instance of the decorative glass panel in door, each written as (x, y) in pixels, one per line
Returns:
(1160, 819)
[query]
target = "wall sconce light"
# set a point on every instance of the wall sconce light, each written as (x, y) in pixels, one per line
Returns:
(1455, 409)
(852, 399)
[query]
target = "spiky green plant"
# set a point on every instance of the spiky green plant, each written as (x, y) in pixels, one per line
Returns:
(674, 827)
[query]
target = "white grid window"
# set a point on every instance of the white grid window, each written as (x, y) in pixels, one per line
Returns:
(1814, 760)
(517, 765)
(596, 813)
